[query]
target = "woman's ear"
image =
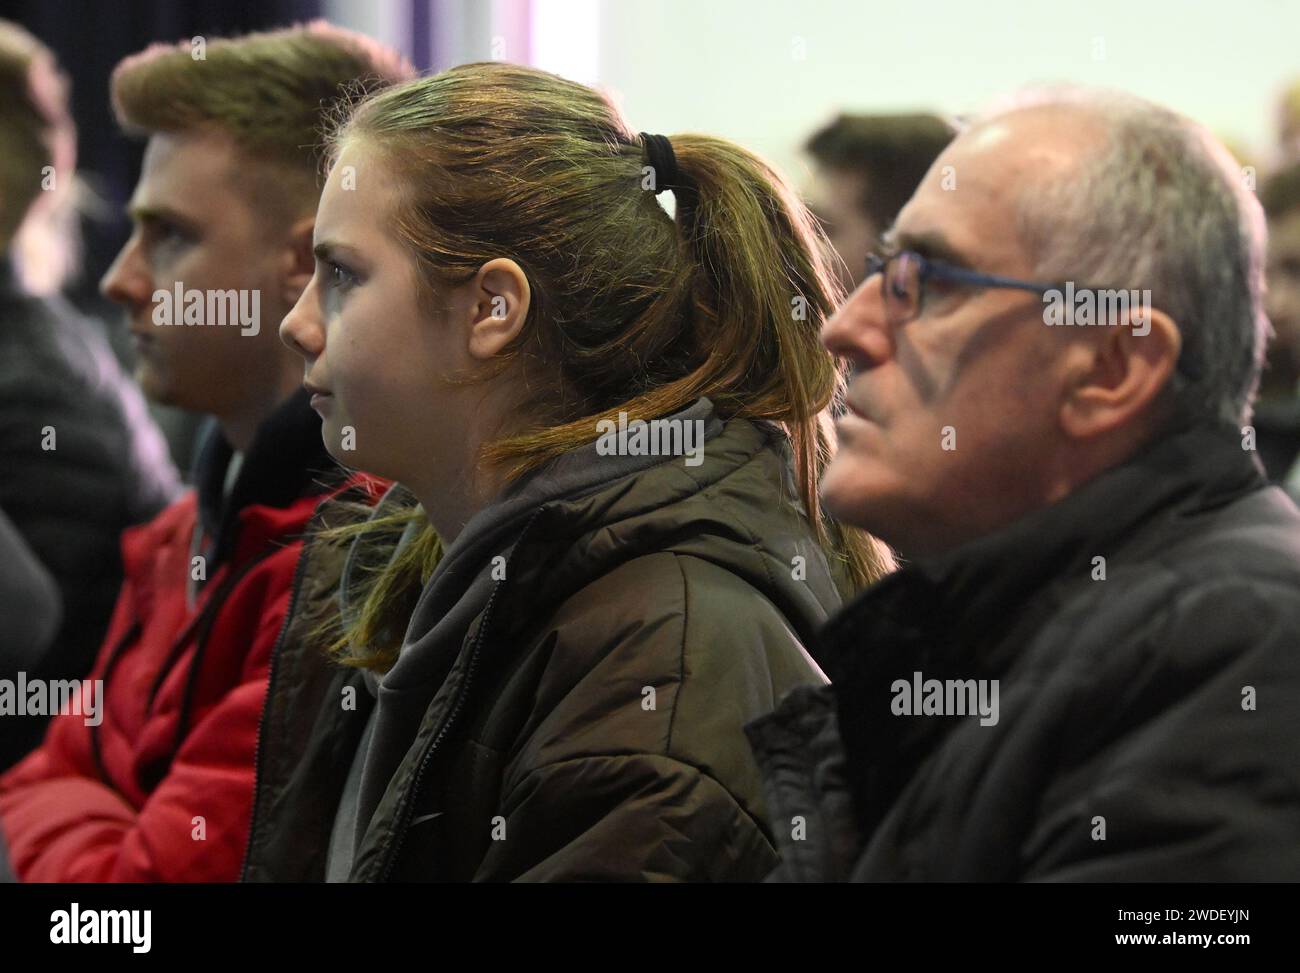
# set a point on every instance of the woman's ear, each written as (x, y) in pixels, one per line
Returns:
(500, 299)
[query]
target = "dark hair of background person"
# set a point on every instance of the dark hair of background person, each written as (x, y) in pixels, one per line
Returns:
(1277, 411)
(892, 152)
(1280, 194)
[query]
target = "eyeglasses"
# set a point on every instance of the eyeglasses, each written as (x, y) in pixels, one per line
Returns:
(907, 273)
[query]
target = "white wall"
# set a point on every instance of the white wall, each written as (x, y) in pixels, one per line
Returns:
(766, 72)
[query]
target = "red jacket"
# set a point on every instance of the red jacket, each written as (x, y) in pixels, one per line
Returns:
(161, 791)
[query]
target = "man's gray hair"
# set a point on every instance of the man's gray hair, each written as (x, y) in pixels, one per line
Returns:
(1160, 205)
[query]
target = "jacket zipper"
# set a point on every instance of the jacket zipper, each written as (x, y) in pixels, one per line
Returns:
(96, 749)
(299, 573)
(408, 807)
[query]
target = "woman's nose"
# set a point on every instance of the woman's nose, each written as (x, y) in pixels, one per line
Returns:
(301, 328)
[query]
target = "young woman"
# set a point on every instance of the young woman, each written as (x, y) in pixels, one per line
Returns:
(547, 672)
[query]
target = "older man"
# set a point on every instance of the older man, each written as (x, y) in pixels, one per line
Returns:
(1090, 669)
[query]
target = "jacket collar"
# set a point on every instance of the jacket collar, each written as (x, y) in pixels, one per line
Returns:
(8, 278)
(976, 585)
(286, 460)
(948, 616)
(725, 511)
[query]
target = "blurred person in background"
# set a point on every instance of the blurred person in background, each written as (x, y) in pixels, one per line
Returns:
(160, 789)
(1288, 126)
(80, 460)
(1277, 412)
(30, 606)
(865, 167)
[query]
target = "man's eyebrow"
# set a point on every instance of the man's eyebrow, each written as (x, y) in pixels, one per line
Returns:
(929, 244)
(160, 214)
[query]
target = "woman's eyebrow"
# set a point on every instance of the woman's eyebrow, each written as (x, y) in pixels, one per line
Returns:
(327, 249)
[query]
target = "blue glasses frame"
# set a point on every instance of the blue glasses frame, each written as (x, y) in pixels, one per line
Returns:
(938, 270)
(928, 269)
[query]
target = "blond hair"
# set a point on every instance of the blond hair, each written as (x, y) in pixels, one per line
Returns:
(268, 91)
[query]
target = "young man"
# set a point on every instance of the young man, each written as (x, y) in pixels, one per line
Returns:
(1088, 671)
(160, 786)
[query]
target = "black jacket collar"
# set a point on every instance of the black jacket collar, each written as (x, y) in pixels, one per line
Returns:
(975, 585)
(8, 278)
(948, 616)
(286, 460)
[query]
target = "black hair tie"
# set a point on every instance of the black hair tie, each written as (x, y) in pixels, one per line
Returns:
(662, 159)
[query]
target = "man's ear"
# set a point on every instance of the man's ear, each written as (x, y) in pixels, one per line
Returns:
(299, 261)
(500, 298)
(1115, 373)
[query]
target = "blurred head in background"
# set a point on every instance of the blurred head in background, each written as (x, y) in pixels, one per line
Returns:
(226, 202)
(1103, 190)
(1281, 198)
(1288, 124)
(865, 168)
(37, 155)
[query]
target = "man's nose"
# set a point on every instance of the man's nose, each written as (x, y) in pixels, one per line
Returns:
(859, 330)
(128, 281)
(302, 329)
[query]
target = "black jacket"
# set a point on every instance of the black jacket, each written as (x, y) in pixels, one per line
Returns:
(80, 460)
(1277, 434)
(30, 609)
(539, 751)
(1148, 723)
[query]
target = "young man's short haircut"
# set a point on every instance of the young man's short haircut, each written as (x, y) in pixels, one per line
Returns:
(269, 92)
